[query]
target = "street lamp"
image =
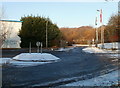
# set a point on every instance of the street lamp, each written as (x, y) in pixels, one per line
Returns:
(102, 29)
(46, 34)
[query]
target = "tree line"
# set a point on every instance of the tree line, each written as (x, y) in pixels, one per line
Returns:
(112, 29)
(34, 29)
(78, 35)
(87, 34)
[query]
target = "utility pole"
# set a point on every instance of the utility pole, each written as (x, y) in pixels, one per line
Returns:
(96, 38)
(96, 42)
(46, 35)
(102, 30)
(102, 36)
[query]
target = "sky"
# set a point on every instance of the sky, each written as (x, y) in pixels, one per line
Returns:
(64, 14)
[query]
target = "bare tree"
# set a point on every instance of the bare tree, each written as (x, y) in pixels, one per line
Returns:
(1, 29)
(4, 27)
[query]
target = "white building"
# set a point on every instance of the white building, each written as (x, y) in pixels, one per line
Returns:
(11, 27)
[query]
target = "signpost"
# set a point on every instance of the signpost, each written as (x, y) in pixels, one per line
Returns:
(92, 42)
(38, 44)
(41, 47)
(30, 48)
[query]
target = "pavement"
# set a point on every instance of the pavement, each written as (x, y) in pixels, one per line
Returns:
(75, 65)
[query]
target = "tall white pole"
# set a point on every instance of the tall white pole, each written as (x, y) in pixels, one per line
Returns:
(41, 47)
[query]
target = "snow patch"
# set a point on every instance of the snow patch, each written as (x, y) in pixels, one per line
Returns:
(109, 53)
(4, 61)
(110, 45)
(104, 80)
(114, 55)
(35, 56)
(65, 49)
(75, 45)
(29, 59)
(26, 64)
(93, 50)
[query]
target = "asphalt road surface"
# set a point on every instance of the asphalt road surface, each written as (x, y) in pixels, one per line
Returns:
(75, 65)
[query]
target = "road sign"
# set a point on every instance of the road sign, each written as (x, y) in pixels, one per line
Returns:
(37, 43)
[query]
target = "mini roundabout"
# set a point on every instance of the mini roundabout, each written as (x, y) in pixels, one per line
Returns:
(32, 59)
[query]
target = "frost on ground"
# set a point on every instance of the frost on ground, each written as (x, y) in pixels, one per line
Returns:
(29, 59)
(104, 80)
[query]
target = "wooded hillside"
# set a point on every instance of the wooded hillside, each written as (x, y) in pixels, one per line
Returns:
(78, 35)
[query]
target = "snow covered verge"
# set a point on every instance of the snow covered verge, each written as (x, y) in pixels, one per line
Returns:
(109, 53)
(93, 50)
(75, 45)
(103, 80)
(107, 49)
(115, 45)
(29, 59)
(98, 50)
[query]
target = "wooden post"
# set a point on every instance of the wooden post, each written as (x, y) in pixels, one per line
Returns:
(30, 48)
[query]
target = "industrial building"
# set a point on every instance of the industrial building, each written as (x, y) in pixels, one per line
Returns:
(10, 29)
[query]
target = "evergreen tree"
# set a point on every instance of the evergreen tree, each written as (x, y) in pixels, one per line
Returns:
(34, 29)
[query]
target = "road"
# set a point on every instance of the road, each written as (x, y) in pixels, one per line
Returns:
(75, 65)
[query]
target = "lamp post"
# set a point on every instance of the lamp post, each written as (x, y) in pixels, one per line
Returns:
(46, 34)
(102, 29)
